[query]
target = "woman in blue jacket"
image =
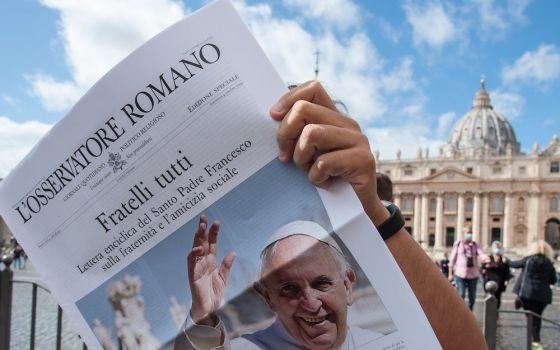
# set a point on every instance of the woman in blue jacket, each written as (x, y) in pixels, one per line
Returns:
(533, 284)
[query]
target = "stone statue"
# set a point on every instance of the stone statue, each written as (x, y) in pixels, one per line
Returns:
(399, 153)
(478, 152)
(178, 312)
(452, 152)
(376, 153)
(419, 153)
(487, 150)
(133, 329)
(125, 332)
(535, 149)
(427, 153)
(103, 335)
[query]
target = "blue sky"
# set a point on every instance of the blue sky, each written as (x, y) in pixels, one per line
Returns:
(407, 70)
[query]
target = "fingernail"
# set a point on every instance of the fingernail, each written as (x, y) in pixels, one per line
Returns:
(282, 156)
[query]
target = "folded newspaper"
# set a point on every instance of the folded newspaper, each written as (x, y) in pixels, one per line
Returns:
(115, 203)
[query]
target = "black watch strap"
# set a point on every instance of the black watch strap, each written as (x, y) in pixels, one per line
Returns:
(393, 224)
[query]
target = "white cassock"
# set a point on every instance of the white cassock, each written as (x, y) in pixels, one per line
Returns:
(274, 337)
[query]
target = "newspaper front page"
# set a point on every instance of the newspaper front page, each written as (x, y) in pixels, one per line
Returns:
(108, 203)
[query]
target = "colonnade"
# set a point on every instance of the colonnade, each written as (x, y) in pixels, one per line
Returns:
(481, 217)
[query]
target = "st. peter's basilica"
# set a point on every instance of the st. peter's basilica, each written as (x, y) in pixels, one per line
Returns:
(481, 180)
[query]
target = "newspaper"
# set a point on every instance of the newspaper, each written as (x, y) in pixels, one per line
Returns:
(108, 203)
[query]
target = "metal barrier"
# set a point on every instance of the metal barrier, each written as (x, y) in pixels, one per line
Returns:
(7, 282)
(491, 311)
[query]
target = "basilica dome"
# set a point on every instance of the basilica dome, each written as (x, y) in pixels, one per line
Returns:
(482, 131)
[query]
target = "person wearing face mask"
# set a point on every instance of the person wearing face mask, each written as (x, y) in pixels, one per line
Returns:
(463, 265)
(496, 268)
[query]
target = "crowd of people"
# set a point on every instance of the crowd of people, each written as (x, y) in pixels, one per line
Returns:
(468, 263)
(533, 286)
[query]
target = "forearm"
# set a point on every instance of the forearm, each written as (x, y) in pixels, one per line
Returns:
(517, 263)
(446, 312)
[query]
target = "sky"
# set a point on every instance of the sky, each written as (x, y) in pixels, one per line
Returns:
(407, 70)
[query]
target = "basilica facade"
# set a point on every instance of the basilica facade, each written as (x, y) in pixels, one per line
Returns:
(482, 181)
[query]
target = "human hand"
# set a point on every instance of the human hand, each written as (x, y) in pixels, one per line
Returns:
(326, 144)
(207, 283)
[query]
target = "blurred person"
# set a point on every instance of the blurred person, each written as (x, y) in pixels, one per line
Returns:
(464, 263)
(558, 272)
(444, 264)
(19, 260)
(496, 268)
(385, 187)
(533, 284)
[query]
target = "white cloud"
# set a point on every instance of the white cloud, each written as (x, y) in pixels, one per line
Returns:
(400, 78)
(391, 32)
(16, 140)
(548, 122)
(516, 9)
(9, 100)
(55, 95)
(430, 24)
(498, 18)
(412, 109)
(407, 138)
(340, 13)
(510, 104)
(353, 78)
(411, 130)
(96, 35)
(534, 67)
(444, 123)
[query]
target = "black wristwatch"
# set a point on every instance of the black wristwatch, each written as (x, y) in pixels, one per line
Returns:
(393, 224)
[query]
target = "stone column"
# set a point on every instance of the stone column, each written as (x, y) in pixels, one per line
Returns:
(439, 222)
(416, 228)
(460, 216)
(533, 211)
(476, 218)
(425, 218)
(398, 200)
(508, 227)
(484, 234)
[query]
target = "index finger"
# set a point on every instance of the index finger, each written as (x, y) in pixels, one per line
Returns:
(213, 236)
(200, 236)
(311, 91)
(304, 113)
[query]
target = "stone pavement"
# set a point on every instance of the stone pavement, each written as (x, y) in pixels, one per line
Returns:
(512, 327)
(45, 333)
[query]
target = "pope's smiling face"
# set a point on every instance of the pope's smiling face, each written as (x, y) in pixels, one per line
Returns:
(304, 285)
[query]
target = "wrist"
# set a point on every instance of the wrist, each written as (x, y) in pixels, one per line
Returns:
(377, 212)
(209, 319)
